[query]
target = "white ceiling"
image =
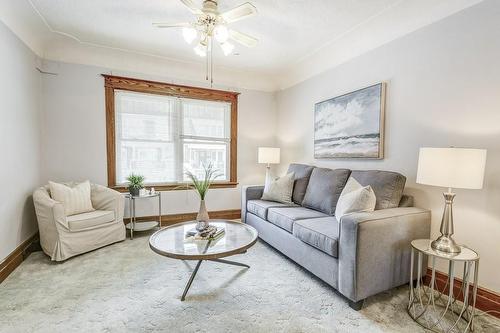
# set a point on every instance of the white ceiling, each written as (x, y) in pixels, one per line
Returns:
(291, 32)
(287, 29)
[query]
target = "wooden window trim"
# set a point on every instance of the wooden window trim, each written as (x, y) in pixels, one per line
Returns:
(112, 82)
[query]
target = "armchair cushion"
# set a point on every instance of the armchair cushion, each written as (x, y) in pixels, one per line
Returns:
(75, 199)
(90, 219)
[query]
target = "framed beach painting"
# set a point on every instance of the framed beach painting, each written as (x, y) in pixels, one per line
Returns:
(351, 125)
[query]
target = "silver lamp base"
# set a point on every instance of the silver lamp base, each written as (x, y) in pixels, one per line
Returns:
(445, 242)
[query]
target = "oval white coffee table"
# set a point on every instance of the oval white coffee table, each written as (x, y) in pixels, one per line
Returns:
(172, 242)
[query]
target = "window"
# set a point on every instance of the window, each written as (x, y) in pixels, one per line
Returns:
(161, 131)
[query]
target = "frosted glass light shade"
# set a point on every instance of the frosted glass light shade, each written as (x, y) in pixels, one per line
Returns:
(189, 34)
(221, 33)
(269, 155)
(451, 167)
(227, 48)
(200, 50)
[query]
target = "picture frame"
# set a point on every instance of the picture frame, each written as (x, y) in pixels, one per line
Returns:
(351, 125)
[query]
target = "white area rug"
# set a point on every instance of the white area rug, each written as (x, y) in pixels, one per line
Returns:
(128, 288)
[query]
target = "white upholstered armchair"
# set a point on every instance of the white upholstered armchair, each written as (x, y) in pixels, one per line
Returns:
(62, 237)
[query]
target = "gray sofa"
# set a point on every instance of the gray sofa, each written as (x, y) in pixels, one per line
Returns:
(362, 254)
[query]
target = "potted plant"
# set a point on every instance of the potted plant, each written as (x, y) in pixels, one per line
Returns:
(135, 183)
(201, 186)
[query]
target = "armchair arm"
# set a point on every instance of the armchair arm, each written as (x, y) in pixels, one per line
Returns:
(104, 198)
(374, 249)
(48, 211)
(249, 192)
(51, 219)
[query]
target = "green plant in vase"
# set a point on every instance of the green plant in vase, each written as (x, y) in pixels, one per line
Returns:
(135, 183)
(201, 186)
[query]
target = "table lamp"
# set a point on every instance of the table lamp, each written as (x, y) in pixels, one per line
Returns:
(268, 155)
(450, 167)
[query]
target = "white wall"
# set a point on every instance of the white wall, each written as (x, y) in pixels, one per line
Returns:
(443, 90)
(19, 140)
(74, 135)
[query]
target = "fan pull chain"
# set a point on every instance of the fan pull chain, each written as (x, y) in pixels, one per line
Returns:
(211, 63)
(206, 67)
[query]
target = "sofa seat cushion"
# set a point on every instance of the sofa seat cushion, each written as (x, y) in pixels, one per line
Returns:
(321, 233)
(90, 219)
(284, 217)
(260, 207)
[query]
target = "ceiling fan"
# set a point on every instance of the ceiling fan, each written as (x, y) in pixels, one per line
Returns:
(210, 24)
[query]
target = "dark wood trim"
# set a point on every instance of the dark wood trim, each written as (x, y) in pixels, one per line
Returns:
(178, 187)
(170, 219)
(234, 139)
(112, 82)
(16, 257)
(110, 133)
(486, 300)
(162, 88)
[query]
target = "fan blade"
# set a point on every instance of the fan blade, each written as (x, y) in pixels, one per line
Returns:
(238, 13)
(171, 25)
(242, 38)
(192, 8)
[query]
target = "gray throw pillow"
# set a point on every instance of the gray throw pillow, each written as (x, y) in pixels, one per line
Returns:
(280, 190)
(302, 174)
(387, 185)
(324, 188)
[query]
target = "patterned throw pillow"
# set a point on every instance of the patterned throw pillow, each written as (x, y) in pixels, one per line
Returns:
(76, 199)
(355, 198)
(280, 190)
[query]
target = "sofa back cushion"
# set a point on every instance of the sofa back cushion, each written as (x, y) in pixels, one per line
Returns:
(324, 188)
(302, 174)
(388, 186)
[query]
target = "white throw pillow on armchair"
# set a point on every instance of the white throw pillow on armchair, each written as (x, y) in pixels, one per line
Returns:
(76, 199)
(355, 198)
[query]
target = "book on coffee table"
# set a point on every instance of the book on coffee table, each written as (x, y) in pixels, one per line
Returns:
(211, 232)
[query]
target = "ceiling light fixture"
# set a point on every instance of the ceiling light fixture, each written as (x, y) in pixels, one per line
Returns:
(221, 33)
(200, 50)
(189, 34)
(227, 48)
(210, 25)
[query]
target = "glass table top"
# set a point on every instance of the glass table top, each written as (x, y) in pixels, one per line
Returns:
(172, 241)
(424, 246)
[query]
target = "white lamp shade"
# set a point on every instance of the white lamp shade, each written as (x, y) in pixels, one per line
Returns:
(451, 167)
(269, 155)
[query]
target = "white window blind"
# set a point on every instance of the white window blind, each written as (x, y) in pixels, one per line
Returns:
(161, 137)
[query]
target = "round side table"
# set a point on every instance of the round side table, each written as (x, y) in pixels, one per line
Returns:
(438, 310)
(134, 224)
